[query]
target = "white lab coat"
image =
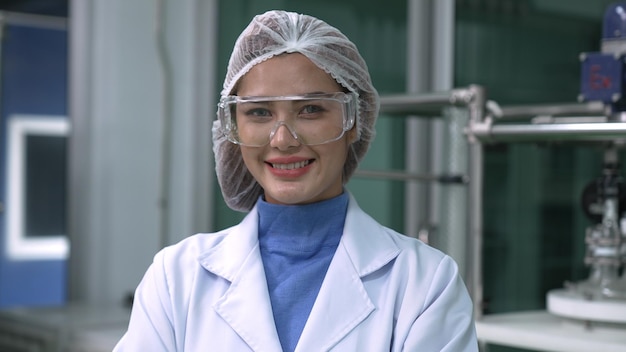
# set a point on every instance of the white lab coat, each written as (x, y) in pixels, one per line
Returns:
(383, 292)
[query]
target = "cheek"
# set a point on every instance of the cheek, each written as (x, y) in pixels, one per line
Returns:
(249, 156)
(352, 135)
(338, 155)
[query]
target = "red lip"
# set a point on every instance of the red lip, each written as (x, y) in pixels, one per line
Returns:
(289, 173)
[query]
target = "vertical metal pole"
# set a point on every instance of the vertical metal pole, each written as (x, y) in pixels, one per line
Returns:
(442, 30)
(475, 207)
(79, 190)
(453, 197)
(207, 19)
(429, 68)
(416, 210)
(167, 115)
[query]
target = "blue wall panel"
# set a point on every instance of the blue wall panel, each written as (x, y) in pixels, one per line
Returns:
(33, 81)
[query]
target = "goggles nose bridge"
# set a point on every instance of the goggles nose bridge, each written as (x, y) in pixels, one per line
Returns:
(287, 126)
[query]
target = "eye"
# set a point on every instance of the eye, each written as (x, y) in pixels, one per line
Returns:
(259, 112)
(311, 110)
(254, 113)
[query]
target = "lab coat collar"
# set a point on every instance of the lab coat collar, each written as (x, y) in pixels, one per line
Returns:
(366, 241)
(342, 303)
(245, 306)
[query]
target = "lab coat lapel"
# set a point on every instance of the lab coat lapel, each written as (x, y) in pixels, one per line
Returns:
(245, 306)
(341, 305)
(343, 302)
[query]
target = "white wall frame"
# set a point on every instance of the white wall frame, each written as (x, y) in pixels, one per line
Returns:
(20, 246)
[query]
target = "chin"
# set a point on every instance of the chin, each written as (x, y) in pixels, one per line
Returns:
(290, 196)
(286, 199)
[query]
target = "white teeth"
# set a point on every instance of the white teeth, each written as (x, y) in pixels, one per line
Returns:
(291, 166)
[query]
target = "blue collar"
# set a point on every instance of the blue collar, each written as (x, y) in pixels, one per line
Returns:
(302, 228)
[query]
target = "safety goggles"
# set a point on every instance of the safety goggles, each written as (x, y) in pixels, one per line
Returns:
(311, 119)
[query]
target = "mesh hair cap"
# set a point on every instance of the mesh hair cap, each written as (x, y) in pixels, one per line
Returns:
(274, 33)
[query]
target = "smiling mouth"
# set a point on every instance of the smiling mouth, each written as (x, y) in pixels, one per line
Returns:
(291, 166)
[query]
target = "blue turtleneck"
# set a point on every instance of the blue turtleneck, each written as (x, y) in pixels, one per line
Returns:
(297, 243)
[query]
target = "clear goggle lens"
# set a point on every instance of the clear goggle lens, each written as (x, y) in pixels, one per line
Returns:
(311, 119)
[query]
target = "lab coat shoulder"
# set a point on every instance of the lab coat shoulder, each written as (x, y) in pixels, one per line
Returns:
(412, 285)
(185, 254)
(221, 253)
(372, 245)
(175, 299)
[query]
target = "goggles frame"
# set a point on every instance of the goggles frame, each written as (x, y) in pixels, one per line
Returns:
(349, 103)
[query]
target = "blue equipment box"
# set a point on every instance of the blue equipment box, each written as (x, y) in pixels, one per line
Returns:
(602, 77)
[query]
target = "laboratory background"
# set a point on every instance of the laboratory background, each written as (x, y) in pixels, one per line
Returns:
(500, 141)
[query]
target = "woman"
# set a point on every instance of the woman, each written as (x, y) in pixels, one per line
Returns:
(307, 269)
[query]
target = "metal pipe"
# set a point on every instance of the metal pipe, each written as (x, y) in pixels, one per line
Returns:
(417, 130)
(411, 176)
(475, 200)
(83, 261)
(424, 104)
(165, 67)
(452, 235)
(529, 111)
(440, 149)
(395, 175)
(551, 132)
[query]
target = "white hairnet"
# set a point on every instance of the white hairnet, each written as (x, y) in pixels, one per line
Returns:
(278, 32)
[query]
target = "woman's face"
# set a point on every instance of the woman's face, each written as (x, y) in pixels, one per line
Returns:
(288, 171)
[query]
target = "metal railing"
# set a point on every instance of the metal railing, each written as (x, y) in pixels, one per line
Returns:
(490, 123)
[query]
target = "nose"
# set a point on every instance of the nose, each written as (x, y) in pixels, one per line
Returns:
(283, 138)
